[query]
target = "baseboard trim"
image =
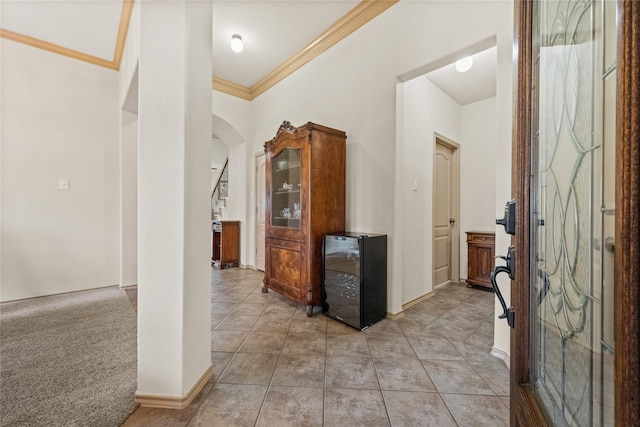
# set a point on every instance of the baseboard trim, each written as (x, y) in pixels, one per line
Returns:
(174, 402)
(502, 356)
(443, 284)
(396, 316)
(418, 300)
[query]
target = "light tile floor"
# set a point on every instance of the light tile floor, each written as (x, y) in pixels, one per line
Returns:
(274, 366)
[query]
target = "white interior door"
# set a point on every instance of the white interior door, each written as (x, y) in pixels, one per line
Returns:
(443, 220)
(261, 191)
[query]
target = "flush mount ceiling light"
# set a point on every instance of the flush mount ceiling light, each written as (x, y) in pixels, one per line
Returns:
(236, 43)
(463, 65)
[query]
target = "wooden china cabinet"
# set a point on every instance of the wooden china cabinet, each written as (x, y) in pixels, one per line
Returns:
(305, 180)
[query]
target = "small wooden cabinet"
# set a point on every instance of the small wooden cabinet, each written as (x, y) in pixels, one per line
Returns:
(480, 257)
(305, 183)
(226, 243)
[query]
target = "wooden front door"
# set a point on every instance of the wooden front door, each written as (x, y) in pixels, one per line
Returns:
(575, 356)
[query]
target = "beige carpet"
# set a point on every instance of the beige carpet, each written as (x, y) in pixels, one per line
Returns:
(68, 360)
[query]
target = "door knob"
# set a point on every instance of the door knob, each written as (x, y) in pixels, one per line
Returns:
(452, 220)
(610, 244)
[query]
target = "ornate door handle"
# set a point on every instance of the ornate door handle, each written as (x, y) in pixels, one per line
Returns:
(508, 312)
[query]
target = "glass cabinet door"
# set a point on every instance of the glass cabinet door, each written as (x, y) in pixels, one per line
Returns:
(286, 187)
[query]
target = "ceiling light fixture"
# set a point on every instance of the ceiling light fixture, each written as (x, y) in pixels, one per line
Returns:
(463, 65)
(236, 43)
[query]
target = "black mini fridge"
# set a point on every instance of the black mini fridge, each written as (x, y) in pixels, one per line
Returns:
(355, 278)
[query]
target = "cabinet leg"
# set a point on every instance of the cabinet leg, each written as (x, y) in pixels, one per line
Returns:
(309, 301)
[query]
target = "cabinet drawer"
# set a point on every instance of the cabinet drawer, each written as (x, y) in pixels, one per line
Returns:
(480, 238)
(285, 244)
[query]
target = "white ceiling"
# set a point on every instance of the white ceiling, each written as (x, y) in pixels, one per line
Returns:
(86, 26)
(474, 85)
(272, 30)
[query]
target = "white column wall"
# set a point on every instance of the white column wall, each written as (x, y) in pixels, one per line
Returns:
(197, 301)
(505, 90)
(173, 204)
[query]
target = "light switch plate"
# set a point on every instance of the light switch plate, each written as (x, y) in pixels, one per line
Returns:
(63, 184)
(415, 184)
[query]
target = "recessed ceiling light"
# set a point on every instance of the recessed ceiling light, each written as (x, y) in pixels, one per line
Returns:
(236, 43)
(463, 65)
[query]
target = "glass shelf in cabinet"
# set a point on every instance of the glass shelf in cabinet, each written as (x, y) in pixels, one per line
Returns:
(286, 192)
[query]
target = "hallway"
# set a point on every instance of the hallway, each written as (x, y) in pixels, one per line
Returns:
(276, 367)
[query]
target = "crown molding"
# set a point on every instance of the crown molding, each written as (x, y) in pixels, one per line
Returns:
(364, 12)
(123, 29)
(54, 48)
(231, 88)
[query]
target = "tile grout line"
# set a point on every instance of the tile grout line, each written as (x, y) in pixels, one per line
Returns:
(463, 298)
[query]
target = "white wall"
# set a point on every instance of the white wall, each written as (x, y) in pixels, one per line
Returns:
(427, 110)
(352, 87)
(238, 190)
(235, 111)
(128, 199)
(235, 132)
(130, 54)
(59, 120)
(128, 152)
(478, 127)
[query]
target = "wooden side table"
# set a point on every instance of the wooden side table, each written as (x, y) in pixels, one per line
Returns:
(480, 257)
(225, 247)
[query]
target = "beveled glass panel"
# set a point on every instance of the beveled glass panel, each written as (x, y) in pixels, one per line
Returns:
(610, 44)
(570, 364)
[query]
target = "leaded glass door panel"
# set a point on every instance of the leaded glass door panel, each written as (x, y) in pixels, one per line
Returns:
(572, 216)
